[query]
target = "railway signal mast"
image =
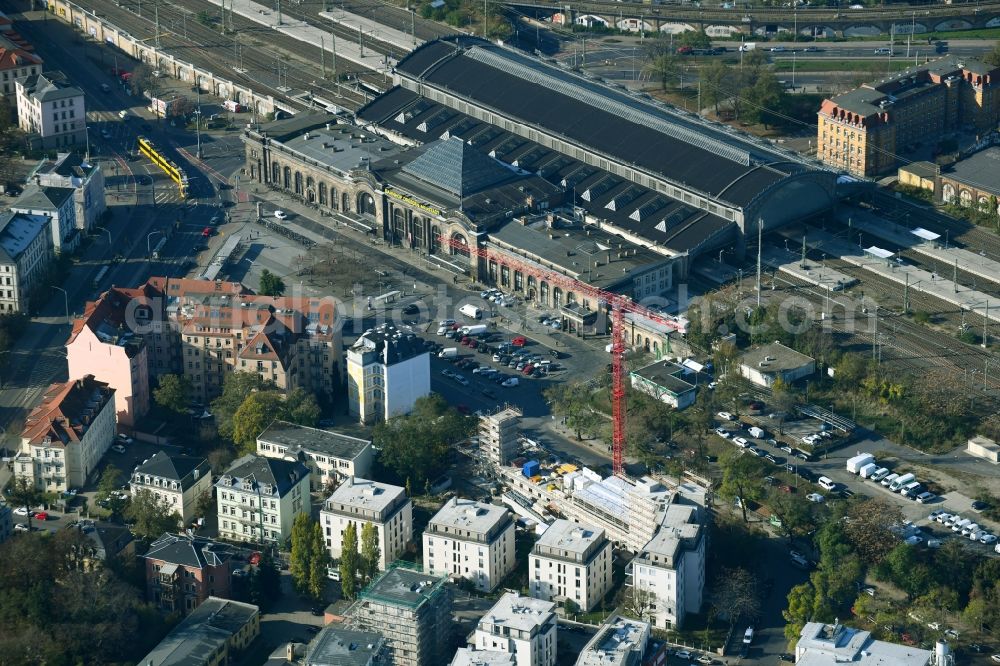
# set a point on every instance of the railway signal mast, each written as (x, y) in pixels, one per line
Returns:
(618, 304)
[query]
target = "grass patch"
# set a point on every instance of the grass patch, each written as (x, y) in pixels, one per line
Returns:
(865, 66)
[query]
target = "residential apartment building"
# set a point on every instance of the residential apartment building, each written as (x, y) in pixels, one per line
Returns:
(57, 204)
(73, 171)
(387, 371)
(51, 110)
(670, 569)
(570, 562)
(214, 634)
(412, 611)
(205, 330)
(471, 540)
(521, 626)
(821, 644)
(258, 499)
(25, 259)
(619, 641)
(65, 437)
(184, 571)
(864, 131)
(359, 502)
(103, 343)
(470, 657)
(340, 646)
(17, 62)
(178, 481)
(498, 435)
(330, 456)
(106, 542)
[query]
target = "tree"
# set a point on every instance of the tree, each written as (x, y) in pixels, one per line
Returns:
(663, 68)
(235, 389)
(869, 526)
(696, 39)
(764, 98)
(370, 553)
(741, 475)
(716, 87)
(737, 595)
(220, 458)
(253, 416)
(796, 516)
(265, 583)
(182, 107)
(799, 610)
(415, 446)
(320, 559)
(349, 562)
(108, 491)
(573, 402)
(142, 81)
(301, 407)
(301, 555)
(993, 57)
(150, 516)
(975, 613)
(639, 603)
(173, 393)
(271, 284)
(21, 492)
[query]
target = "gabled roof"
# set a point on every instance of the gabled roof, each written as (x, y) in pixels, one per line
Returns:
(66, 411)
(176, 468)
(458, 168)
(49, 87)
(108, 539)
(36, 197)
(193, 552)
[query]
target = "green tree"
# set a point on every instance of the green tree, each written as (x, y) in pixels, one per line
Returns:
(663, 68)
(320, 559)
(253, 416)
(301, 407)
(150, 516)
(416, 446)
(301, 555)
(235, 389)
(796, 516)
(716, 87)
(271, 284)
(110, 482)
(349, 562)
(993, 57)
(764, 99)
(370, 552)
(573, 402)
(265, 583)
(741, 474)
(799, 610)
(22, 493)
(696, 39)
(173, 393)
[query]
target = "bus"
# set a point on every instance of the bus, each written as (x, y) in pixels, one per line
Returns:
(100, 276)
(149, 149)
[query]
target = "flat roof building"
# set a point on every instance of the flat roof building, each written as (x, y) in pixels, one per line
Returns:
(570, 562)
(763, 365)
(471, 540)
(330, 456)
(521, 626)
(619, 641)
(358, 501)
(662, 380)
(342, 646)
(827, 644)
(471, 657)
(217, 632)
(411, 610)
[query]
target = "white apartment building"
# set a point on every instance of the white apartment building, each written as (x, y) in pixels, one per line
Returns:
(360, 501)
(52, 110)
(471, 540)
(619, 641)
(470, 657)
(179, 481)
(25, 258)
(330, 456)
(86, 180)
(17, 63)
(829, 644)
(570, 562)
(521, 626)
(387, 371)
(66, 436)
(670, 569)
(258, 498)
(57, 204)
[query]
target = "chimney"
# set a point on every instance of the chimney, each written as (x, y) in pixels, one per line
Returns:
(328, 127)
(290, 652)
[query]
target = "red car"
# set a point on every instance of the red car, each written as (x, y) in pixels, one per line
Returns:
(41, 515)
(519, 341)
(528, 368)
(685, 50)
(206, 232)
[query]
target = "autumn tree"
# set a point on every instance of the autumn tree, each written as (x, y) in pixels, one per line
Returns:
(573, 403)
(150, 516)
(349, 562)
(173, 393)
(869, 528)
(741, 474)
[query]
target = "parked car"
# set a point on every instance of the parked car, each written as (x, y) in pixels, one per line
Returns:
(280, 215)
(118, 448)
(925, 497)
(815, 497)
(725, 416)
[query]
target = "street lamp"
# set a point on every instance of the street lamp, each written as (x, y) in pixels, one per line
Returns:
(105, 230)
(149, 252)
(65, 300)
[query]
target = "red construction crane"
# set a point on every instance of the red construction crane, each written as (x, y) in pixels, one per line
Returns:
(618, 304)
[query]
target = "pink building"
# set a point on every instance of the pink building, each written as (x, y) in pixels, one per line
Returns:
(103, 345)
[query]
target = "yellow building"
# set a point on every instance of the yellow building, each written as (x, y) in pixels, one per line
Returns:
(864, 131)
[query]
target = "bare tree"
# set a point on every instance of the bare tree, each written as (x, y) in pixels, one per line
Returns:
(638, 603)
(737, 596)
(869, 527)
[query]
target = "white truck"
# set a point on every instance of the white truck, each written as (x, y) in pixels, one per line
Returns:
(759, 433)
(477, 329)
(747, 46)
(868, 470)
(901, 481)
(471, 311)
(855, 464)
(448, 352)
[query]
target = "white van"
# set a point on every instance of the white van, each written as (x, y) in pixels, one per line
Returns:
(879, 474)
(959, 525)
(910, 487)
(902, 481)
(471, 311)
(827, 483)
(756, 432)
(887, 481)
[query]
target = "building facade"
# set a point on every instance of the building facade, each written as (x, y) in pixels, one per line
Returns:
(668, 574)
(521, 626)
(767, 363)
(498, 435)
(360, 501)
(619, 641)
(65, 437)
(412, 611)
(387, 372)
(471, 540)
(25, 259)
(183, 571)
(258, 499)
(51, 110)
(330, 456)
(17, 63)
(570, 562)
(177, 481)
(217, 633)
(56, 203)
(662, 380)
(864, 131)
(72, 170)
